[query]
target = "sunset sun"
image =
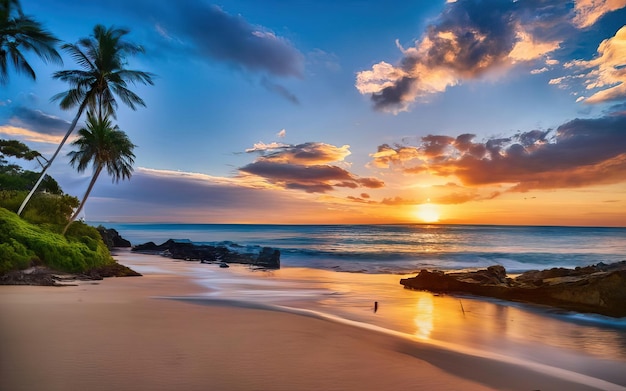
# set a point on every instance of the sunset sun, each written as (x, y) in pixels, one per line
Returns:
(428, 213)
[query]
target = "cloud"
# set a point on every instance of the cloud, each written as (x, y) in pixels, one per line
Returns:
(28, 135)
(280, 90)
(465, 43)
(608, 71)
(452, 194)
(173, 196)
(306, 167)
(261, 146)
(215, 34)
(589, 11)
(580, 153)
(306, 153)
(281, 134)
(38, 121)
(329, 61)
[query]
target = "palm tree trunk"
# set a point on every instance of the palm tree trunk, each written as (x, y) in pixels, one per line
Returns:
(49, 163)
(82, 203)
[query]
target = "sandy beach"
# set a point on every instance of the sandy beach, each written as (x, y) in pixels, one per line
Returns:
(126, 334)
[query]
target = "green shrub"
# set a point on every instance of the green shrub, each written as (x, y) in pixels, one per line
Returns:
(12, 199)
(83, 248)
(14, 256)
(43, 208)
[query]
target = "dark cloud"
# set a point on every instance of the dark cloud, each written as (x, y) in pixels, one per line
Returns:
(579, 153)
(198, 29)
(306, 167)
(38, 121)
(312, 179)
(214, 33)
(469, 39)
(280, 90)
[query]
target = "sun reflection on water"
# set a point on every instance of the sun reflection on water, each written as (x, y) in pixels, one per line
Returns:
(424, 321)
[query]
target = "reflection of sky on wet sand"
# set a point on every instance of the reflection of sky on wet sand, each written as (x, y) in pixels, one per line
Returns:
(507, 328)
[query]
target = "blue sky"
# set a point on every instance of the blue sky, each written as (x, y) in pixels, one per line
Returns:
(354, 111)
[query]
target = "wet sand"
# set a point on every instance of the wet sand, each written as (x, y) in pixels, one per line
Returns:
(124, 334)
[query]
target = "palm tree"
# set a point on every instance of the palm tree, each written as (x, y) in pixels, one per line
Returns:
(103, 76)
(103, 146)
(18, 34)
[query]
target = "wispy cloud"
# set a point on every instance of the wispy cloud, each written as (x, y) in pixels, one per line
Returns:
(280, 90)
(174, 196)
(27, 135)
(589, 11)
(607, 75)
(218, 35)
(465, 43)
(580, 153)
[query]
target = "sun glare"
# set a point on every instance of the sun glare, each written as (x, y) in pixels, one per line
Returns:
(428, 213)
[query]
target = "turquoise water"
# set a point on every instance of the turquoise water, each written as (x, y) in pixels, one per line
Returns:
(404, 248)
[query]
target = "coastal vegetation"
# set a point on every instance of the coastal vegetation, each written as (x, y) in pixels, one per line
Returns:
(35, 238)
(20, 33)
(46, 234)
(105, 146)
(23, 244)
(102, 58)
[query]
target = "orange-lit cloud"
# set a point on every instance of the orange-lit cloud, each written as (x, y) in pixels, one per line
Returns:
(306, 167)
(580, 153)
(589, 11)
(29, 135)
(608, 72)
(465, 43)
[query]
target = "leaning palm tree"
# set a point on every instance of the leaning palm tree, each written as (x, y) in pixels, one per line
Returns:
(103, 146)
(102, 77)
(18, 34)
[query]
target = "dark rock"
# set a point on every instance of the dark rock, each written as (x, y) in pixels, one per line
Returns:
(33, 276)
(598, 288)
(42, 275)
(266, 257)
(112, 238)
(111, 270)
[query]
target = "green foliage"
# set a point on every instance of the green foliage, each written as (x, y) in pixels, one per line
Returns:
(12, 177)
(43, 209)
(50, 209)
(13, 255)
(23, 242)
(11, 199)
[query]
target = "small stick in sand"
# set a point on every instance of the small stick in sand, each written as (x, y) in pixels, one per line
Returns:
(375, 306)
(462, 309)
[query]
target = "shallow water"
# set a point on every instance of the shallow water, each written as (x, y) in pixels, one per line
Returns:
(584, 344)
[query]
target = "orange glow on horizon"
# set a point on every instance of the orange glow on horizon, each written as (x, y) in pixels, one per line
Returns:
(428, 213)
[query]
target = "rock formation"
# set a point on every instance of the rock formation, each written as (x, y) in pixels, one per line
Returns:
(112, 238)
(265, 257)
(597, 288)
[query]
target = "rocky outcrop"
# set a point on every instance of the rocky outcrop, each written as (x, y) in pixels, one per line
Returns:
(597, 288)
(42, 275)
(112, 238)
(265, 257)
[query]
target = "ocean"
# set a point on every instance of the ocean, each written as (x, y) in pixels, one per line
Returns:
(401, 249)
(339, 271)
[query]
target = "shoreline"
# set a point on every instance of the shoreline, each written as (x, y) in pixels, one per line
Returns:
(144, 333)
